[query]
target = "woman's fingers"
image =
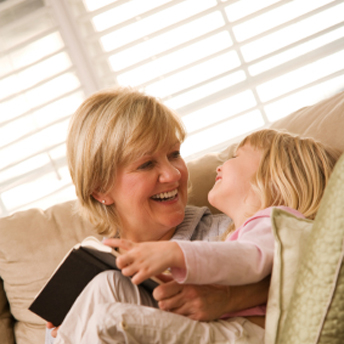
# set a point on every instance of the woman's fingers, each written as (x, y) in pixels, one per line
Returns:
(50, 325)
(55, 329)
(181, 304)
(198, 302)
(173, 304)
(166, 290)
(54, 332)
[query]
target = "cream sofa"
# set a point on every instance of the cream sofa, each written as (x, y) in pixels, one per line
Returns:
(33, 242)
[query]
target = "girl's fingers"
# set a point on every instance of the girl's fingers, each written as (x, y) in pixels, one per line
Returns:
(164, 277)
(139, 278)
(128, 270)
(121, 243)
(124, 262)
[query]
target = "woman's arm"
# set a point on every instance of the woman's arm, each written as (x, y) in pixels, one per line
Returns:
(210, 302)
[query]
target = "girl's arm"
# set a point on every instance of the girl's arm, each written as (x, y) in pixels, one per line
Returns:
(246, 260)
(147, 259)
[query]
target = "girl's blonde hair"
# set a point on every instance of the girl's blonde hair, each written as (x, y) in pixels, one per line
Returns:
(110, 129)
(293, 171)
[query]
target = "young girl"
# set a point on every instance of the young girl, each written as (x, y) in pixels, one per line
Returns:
(269, 169)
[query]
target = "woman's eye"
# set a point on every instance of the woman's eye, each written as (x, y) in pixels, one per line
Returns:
(145, 165)
(175, 154)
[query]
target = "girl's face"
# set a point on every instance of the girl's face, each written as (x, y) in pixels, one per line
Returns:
(232, 192)
(150, 195)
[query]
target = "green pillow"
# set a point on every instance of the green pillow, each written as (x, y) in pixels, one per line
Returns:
(316, 309)
(291, 234)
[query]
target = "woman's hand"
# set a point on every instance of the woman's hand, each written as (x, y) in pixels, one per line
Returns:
(55, 329)
(144, 260)
(197, 302)
(209, 302)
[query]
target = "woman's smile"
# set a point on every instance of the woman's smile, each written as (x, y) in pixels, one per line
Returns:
(166, 196)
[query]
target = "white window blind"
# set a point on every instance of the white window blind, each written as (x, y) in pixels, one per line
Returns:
(39, 89)
(227, 67)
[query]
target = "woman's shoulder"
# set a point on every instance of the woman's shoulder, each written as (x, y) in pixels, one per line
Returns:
(200, 224)
(204, 215)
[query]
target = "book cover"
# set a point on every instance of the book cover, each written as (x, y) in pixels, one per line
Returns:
(76, 270)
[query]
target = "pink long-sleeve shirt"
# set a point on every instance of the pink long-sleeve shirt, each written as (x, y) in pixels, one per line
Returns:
(245, 257)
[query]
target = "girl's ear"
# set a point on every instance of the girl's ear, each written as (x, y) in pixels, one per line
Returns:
(102, 198)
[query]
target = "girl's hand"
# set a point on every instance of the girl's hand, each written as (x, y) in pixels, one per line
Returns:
(144, 260)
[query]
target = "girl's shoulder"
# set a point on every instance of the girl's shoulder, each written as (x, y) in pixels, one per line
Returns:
(267, 212)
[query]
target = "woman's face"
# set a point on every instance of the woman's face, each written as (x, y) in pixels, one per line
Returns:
(150, 195)
(232, 190)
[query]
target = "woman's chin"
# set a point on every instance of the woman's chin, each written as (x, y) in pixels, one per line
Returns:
(175, 219)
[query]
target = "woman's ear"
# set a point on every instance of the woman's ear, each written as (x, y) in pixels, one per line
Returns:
(102, 198)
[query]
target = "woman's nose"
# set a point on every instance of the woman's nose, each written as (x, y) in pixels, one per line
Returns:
(218, 168)
(169, 173)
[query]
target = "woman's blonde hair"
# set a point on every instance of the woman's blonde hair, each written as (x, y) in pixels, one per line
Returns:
(293, 171)
(110, 129)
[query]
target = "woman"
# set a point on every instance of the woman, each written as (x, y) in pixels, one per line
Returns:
(131, 182)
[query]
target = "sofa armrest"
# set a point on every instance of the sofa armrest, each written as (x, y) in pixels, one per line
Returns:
(6, 318)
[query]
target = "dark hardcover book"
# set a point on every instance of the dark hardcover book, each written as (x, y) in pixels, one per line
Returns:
(82, 263)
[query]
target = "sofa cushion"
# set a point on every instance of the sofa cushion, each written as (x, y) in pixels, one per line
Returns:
(291, 234)
(316, 311)
(32, 243)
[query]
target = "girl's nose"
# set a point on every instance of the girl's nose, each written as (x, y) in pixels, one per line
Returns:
(218, 168)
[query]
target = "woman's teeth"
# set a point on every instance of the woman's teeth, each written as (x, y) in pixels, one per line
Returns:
(164, 196)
